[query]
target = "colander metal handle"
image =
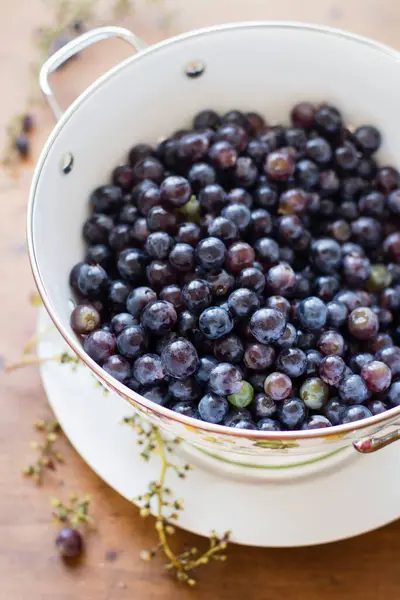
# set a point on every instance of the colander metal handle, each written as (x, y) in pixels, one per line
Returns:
(373, 443)
(74, 47)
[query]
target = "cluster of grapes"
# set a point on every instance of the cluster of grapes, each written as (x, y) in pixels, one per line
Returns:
(248, 275)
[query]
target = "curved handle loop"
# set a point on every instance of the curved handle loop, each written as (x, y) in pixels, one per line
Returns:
(75, 46)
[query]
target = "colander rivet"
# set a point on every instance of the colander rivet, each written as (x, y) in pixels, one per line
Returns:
(67, 162)
(195, 69)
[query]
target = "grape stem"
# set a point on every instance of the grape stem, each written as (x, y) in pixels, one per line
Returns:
(185, 562)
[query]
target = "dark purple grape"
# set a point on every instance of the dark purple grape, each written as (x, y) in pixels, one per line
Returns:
(84, 319)
(156, 393)
(334, 411)
(294, 201)
(267, 324)
(326, 286)
(96, 228)
(329, 183)
(120, 237)
(326, 255)
(363, 323)
(331, 342)
(160, 219)
(265, 196)
(69, 542)
(106, 199)
(368, 139)
(173, 294)
(233, 133)
(179, 358)
(121, 321)
(243, 302)
(92, 281)
(313, 358)
(245, 172)
(206, 365)
(148, 370)
(239, 195)
(255, 123)
(189, 233)
(132, 341)
(118, 293)
(317, 422)
(279, 303)
(278, 386)
(197, 295)
(267, 424)
(193, 146)
(288, 338)
(220, 281)
(328, 120)
(307, 174)
(123, 177)
(215, 322)
(239, 214)
(186, 409)
(224, 229)
(140, 232)
(185, 390)
(132, 264)
(346, 157)
(118, 367)
(138, 299)
(200, 175)
(292, 362)
(391, 357)
(229, 349)
(366, 231)
(319, 150)
(210, 253)
(252, 279)
(291, 413)
(331, 369)
(159, 244)
(148, 168)
(223, 155)
(212, 197)
(377, 407)
(213, 408)
(100, 345)
(259, 356)
(99, 254)
(355, 413)
(182, 258)
(312, 313)
(372, 204)
(353, 390)
(140, 152)
(225, 379)
(159, 317)
(175, 190)
(159, 274)
(281, 279)
(279, 165)
(205, 119)
(303, 115)
(377, 376)
(263, 407)
(28, 123)
(267, 250)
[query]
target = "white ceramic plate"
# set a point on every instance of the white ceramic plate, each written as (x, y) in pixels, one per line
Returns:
(350, 498)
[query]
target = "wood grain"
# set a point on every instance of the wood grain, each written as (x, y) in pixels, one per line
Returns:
(365, 567)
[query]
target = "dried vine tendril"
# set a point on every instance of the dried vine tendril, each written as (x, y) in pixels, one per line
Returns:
(48, 455)
(184, 563)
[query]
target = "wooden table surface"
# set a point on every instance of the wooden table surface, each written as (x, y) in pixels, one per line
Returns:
(365, 567)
